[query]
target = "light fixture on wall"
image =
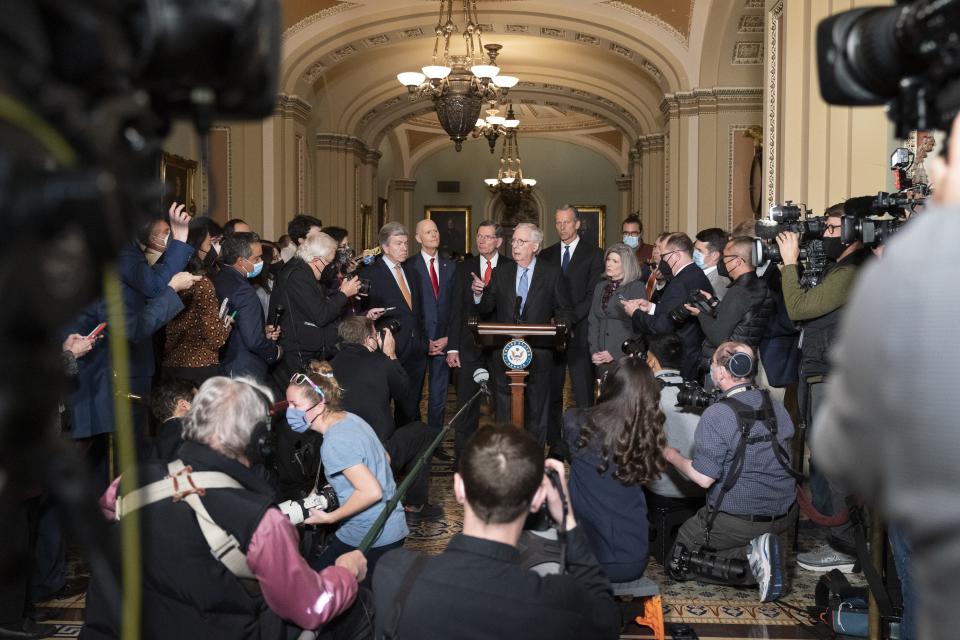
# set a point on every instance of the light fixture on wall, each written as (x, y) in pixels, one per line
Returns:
(495, 125)
(510, 183)
(459, 84)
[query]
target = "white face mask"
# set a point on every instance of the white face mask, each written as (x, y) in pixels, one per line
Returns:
(631, 241)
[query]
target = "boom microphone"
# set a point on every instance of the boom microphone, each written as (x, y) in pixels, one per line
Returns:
(481, 376)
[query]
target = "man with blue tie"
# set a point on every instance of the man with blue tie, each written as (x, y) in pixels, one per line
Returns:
(527, 291)
(435, 280)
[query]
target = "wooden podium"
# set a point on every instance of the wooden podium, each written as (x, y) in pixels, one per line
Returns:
(505, 335)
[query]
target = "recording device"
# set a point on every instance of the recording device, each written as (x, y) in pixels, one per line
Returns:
(706, 304)
(786, 217)
(481, 377)
(96, 330)
(636, 346)
(365, 287)
(691, 395)
(277, 315)
(384, 323)
(686, 563)
(860, 219)
(298, 510)
(345, 256)
(904, 56)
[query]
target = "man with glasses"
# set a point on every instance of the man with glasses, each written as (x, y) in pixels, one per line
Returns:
(462, 351)
(251, 347)
(818, 311)
(527, 291)
(744, 312)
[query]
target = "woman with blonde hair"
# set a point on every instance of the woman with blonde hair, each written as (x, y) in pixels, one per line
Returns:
(608, 324)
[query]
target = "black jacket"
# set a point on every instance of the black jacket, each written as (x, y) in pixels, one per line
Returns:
(385, 292)
(462, 307)
(690, 278)
(370, 380)
(743, 315)
(247, 352)
(583, 274)
(548, 296)
(476, 589)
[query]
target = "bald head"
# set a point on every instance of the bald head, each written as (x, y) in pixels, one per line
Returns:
(428, 236)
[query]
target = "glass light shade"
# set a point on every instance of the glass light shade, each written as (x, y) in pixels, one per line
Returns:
(495, 120)
(436, 72)
(507, 179)
(485, 70)
(491, 182)
(505, 82)
(530, 182)
(510, 124)
(411, 78)
(481, 123)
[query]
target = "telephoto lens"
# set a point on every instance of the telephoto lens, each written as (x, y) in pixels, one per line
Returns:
(298, 510)
(693, 396)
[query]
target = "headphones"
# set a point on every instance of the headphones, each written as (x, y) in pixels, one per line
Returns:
(740, 365)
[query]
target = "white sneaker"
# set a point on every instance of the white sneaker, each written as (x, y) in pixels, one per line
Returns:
(826, 558)
(766, 562)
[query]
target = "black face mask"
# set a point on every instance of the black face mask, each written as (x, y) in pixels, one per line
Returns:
(665, 270)
(276, 268)
(832, 248)
(722, 267)
(329, 272)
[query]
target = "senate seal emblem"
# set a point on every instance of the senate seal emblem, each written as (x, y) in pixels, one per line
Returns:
(517, 354)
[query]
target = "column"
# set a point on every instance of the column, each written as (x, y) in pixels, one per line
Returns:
(338, 161)
(285, 175)
(625, 187)
(636, 173)
(401, 201)
(652, 148)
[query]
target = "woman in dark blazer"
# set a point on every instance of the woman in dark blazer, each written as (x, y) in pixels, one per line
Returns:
(609, 325)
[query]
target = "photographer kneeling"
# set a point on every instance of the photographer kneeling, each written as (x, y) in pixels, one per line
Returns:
(477, 583)
(740, 456)
(188, 591)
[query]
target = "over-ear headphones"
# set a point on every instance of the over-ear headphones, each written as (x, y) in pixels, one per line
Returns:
(740, 365)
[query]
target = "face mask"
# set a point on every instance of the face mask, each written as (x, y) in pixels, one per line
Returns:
(297, 419)
(216, 247)
(713, 378)
(665, 270)
(699, 259)
(722, 268)
(257, 268)
(329, 272)
(832, 247)
(275, 268)
(631, 241)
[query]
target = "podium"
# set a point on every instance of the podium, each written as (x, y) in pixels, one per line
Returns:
(517, 353)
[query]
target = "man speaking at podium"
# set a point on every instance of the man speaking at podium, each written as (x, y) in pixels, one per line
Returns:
(526, 291)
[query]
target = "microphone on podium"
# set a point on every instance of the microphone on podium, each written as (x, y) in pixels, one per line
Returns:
(481, 376)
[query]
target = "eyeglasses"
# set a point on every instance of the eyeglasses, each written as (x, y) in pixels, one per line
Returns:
(832, 227)
(519, 241)
(486, 237)
(301, 379)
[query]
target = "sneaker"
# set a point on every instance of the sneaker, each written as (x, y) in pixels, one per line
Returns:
(766, 562)
(826, 558)
(423, 513)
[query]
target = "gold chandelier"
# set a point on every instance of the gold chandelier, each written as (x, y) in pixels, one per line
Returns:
(495, 125)
(510, 183)
(459, 84)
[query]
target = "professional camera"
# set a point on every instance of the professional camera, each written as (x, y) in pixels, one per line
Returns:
(705, 304)
(873, 219)
(904, 56)
(871, 231)
(685, 563)
(786, 217)
(384, 323)
(636, 346)
(298, 510)
(692, 396)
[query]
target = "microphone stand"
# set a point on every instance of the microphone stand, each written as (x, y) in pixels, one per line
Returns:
(377, 527)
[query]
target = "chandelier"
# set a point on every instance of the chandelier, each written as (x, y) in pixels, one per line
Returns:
(459, 84)
(495, 125)
(510, 183)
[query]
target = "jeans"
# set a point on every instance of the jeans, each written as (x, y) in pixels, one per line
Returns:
(902, 549)
(337, 548)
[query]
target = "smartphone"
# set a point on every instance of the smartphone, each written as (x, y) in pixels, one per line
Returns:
(389, 309)
(620, 296)
(223, 308)
(97, 330)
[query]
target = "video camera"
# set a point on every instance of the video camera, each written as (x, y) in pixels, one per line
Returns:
(786, 217)
(860, 221)
(298, 510)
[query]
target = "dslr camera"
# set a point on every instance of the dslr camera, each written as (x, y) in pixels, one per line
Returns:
(786, 217)
(691, 395)
(298, 510)
(707, 305)
(383, 323)
(636, 346)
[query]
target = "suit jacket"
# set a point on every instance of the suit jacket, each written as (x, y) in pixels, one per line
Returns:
(436, 311)
(385, 292)
(247, 352)
(583, 273)
(609, 326)
(548, 297)
(370, 380)
(690, 278)
(462, 307)
(311, 313)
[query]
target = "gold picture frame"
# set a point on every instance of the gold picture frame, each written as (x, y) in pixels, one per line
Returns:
(593, 218)
(178, 182)
(454, 225)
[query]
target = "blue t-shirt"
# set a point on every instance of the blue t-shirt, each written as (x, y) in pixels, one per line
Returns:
(348, 443)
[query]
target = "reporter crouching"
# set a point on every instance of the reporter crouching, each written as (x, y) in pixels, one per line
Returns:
(188, 592)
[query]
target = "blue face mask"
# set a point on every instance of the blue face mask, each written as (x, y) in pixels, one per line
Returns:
(297, 419)
(699, 259)
(631, 241)
(257, 268)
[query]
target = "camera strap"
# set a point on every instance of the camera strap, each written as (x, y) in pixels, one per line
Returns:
(392, 628)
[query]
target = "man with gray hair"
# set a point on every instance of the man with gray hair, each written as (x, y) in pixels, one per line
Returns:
(527, 291)
(205, 596)
(395, 288)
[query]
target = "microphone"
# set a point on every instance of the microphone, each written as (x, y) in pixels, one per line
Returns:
(517, 309)
(481, 376)
(277, 314)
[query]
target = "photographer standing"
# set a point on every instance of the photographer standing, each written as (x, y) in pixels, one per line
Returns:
(740, 456)
(818, 310)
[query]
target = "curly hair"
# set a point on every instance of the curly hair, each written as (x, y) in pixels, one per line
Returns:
(627, 424)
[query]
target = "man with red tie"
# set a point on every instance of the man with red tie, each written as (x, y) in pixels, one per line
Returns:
(462, 351)
(435, 279)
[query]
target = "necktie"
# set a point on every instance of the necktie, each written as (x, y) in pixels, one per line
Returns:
(522, 287)
(434, 280)
(651, 285)
(565, 262)
(487, 273)
(403, 286)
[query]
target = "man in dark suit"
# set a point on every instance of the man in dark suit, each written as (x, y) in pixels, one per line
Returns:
(434, 275)
(462, 350)
(581, 262)
(676, 258)
(527, 291)
(251, 348)
(393, 288)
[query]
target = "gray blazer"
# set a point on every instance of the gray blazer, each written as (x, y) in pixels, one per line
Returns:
(609, 327)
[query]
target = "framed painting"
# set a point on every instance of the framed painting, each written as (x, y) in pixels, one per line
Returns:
(592, 221)
(454, 225)
(178, 177)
